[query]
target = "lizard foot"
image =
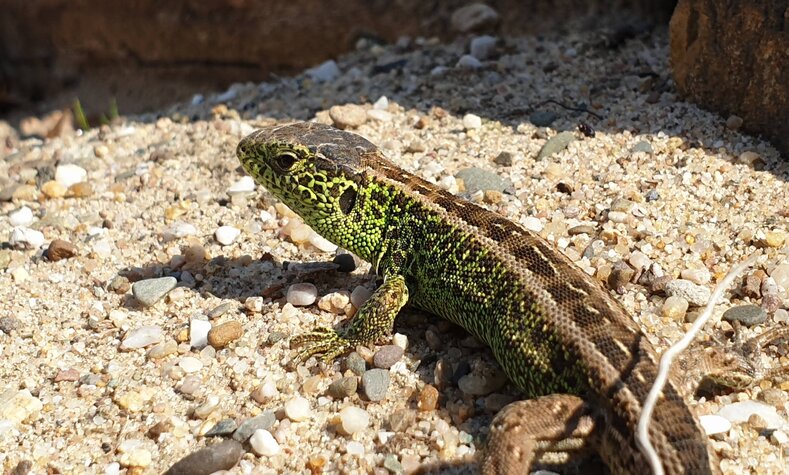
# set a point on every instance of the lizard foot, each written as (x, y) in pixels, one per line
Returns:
(321, 340)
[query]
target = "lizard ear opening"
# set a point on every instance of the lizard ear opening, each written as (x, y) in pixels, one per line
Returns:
(348, 200)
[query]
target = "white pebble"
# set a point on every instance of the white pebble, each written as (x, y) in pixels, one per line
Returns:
(381, 104)
(198, 333)
(468, 61)
(26, 238)
(182, 229)
(113, 468)
(532, 224)
(471, 121)
(21, 217)
(142, 337)
(639, 260)
(482, 47)
(714, 424)
(354, 448)
(301, 295)
(254, 304)
(70, 174)
(190, 364)
(697, 276)
(353, 420)
(263, 443)
(380, 115)
(322, 243)
(245, 185)
(400, 340)
(204, 410)
(226, 235)
(298, 409)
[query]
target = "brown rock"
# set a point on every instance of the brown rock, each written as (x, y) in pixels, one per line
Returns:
(732, 57)
(60, 249)
(224, 333)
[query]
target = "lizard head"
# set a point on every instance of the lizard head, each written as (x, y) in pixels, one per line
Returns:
(315, 170)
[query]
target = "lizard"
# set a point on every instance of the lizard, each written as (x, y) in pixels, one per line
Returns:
(559, 335)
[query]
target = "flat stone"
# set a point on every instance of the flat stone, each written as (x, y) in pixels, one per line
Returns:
(213, 458)
(556, 144)
(263, 421)
(225, 427)
(375, 384)
(740, 412)
(474, 17)
(343, 387)
(150, 291)
(748, 315)
(142, 337)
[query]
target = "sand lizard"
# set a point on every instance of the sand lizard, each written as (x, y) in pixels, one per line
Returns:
(559, 335)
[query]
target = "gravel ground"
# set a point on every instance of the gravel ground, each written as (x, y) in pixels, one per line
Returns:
(124, 245)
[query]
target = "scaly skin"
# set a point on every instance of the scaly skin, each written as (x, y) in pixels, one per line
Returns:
(558, 334)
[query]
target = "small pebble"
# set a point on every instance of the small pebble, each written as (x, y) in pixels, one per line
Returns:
(190, 364)
(556, 144)
(348, 116)
(355, 364)
(346, 262)
(354, 448)
(302, 295)
(198, 332)
(221, 335)
(375, 384)
(381, 104)
(8, 324)
(263, 443)
(643, 147)
(221, 309)
(21, 217)
(733, 122)
(142, 337)
(471, 121)
(59, 249)
(226, 235)
(213, 458)
(748, 315)
(694, 294)
(70, 174)
(697, 276)
(473, 17)
(244, 185)
(263, 421)
(505, 159)
(387, 356)
(379, 115)
(342, 388)
(468, 62)
(428, 399)
(353, 420)
(204, 410)
(674, 308)
(714, 424)
(482, 47)
(150, 291)
(223, 428)
(26, 238)
(298, 409)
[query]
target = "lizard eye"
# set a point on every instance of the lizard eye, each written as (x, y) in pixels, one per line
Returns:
(285, 161)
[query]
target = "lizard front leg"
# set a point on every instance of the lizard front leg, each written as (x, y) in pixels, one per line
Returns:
(374, 320)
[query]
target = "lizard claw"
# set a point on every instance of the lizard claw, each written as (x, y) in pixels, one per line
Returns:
(320, 340)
